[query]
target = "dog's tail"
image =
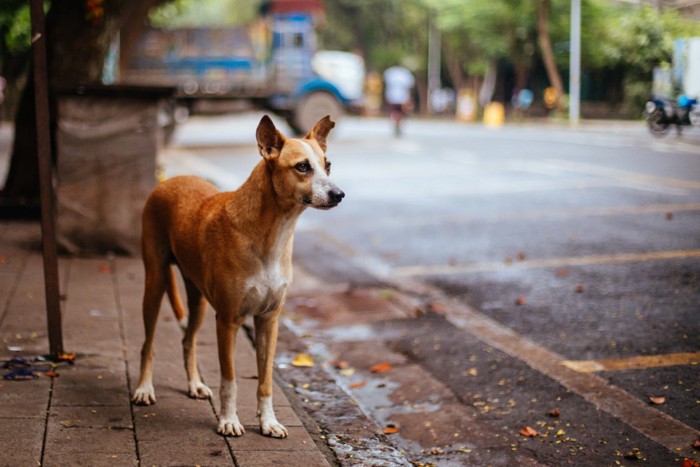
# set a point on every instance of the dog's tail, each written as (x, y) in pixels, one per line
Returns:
(174, 297)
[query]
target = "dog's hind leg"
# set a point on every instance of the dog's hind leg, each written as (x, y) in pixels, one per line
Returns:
(197, 306)
(152, 297)
(174, 298)
(156, 264)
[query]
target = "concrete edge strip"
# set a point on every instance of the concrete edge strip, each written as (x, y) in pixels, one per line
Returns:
(652, 423)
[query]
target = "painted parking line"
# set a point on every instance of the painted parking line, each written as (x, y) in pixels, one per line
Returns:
(656, 425)
(640, 362)
(571, 261)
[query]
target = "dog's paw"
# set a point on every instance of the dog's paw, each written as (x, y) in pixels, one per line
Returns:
(198, 390)
(273, 428)
(230, 427)
(144, 395)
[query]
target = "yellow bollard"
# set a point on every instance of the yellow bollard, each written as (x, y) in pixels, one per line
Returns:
(494, 114)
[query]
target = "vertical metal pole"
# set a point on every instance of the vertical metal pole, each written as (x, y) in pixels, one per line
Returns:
(575, 63)
(48, 209)
(433, 60)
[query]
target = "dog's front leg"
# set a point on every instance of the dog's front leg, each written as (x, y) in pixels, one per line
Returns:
(265, 342)
(226, 332)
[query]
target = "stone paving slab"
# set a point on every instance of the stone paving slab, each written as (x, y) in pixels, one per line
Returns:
(84, 416)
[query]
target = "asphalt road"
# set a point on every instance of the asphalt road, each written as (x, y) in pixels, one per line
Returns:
(552, 277)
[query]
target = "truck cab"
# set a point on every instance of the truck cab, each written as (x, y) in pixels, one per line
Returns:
(271, 63)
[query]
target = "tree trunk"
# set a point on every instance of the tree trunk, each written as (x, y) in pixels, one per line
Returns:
(454, 66)
(78, 39)
(545, 43)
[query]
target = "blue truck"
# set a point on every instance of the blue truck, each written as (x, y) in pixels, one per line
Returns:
(272, 63)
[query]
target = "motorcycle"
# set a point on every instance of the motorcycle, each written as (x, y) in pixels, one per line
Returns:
(661, 114)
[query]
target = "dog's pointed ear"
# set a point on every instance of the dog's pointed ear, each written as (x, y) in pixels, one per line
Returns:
(320, 131)
(270, 140)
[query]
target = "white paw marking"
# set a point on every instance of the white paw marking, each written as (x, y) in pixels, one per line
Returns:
(144, 395)
(273, 428)
(199, 390)
(268, 422)
(230, 427)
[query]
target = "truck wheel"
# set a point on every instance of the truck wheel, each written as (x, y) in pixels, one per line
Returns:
(311, 109)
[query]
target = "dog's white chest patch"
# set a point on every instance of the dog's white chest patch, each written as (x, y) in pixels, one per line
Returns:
(264, 291)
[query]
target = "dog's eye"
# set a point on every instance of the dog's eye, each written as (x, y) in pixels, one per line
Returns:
(303, 167)
(328, 167)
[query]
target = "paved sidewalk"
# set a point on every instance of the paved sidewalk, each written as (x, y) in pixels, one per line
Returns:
(83, 415)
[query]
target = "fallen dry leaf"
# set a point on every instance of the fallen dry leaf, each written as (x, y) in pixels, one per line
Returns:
(553, 413)
(66, 357)
(104, 268)
(521, 301)
(380, 367)
(303, 360)
(690, 463)
(340, 364)
(563, 272)
(521, 256)
(657, 400)
(580, 288)
(669, 216)
(358, 385)
(635, 455)
(529, 432)
(390, 430)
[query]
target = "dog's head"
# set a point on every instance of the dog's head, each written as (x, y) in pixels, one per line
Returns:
(299, 166)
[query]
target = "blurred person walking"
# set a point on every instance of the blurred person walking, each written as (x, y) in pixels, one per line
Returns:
(398, 82)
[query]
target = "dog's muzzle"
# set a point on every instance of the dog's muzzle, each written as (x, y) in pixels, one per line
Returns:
(335, 195)
(327, 198)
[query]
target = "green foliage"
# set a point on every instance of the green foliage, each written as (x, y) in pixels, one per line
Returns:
(489, 30)
(639, 40)
(386, 32)
(198, 13)
(477, 34)
(15, 26)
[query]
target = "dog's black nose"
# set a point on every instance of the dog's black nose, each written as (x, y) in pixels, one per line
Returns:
(336, 195)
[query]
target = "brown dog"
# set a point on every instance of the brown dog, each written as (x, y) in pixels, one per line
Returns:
(234, 250)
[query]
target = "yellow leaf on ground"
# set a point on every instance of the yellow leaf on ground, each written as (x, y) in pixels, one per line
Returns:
(303, 359)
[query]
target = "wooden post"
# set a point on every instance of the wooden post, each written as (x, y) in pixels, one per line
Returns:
(48, 205)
